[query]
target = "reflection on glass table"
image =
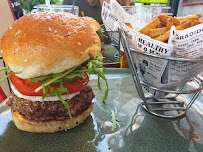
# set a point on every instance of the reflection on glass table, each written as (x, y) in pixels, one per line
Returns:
(109, 59)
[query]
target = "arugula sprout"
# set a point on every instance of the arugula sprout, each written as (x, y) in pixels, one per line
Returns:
(100, 57)
(53, 80)
(100, 32)
(6, 76)
(114, 120)
(6, 69)
(56, 93)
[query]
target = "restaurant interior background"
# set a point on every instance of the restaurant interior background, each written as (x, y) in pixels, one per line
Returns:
(92, 8)
(171, 7)
(22, 7)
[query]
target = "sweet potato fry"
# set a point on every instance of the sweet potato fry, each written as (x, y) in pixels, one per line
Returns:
(169, 23)
(163, 18)
(150, 25)
(157, 31)
(165, 36)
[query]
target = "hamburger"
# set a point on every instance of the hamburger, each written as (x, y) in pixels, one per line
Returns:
(98, 29)
(50, 57)
(93, 23)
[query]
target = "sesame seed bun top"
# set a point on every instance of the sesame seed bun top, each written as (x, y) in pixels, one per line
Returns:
(92, 22)
(45, 43)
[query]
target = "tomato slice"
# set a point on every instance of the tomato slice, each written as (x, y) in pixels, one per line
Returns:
(101, 37)
(26, 87)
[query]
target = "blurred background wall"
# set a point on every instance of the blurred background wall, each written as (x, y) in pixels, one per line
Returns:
(189, 9)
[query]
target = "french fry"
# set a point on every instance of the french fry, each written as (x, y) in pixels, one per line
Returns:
(157, 32)
(155, 16)
(184, 26)
(198, 14)
(169, 23)
(196, 22)
(129, 25)
(190, 18)
(163, 18)
(184, 21)
(164, 37)
(150, 25)
(160, 26)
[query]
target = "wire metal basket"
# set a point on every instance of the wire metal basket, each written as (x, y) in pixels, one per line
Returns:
(115, 41)
(171, 106)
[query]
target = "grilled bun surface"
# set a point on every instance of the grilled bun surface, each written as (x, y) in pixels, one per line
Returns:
(92, 22)
(44, 43)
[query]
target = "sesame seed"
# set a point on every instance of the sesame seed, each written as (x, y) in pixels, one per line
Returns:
(16, 50)
(49, 28)
(83, 26)
(81, 52)
(75, 31)
(79, 43)
(1, 51)
(55, 31)
(10, 27)
(17, 33)
(64, 21)
(25, 60)
(66, 35)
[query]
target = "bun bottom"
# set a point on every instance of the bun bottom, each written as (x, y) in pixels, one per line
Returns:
(51, 126)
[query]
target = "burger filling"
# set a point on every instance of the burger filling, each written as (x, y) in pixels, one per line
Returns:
(51, 110)
(72, 82)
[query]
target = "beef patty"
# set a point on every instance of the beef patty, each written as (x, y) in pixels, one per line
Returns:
(51, 110)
